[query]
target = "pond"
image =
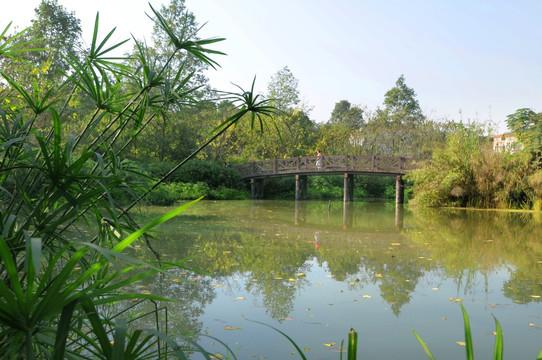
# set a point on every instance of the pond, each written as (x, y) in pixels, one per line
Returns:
(316, 269)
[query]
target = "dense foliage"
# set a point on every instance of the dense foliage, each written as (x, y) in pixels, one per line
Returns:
(66, 188)
(466, 171)
(85, 135)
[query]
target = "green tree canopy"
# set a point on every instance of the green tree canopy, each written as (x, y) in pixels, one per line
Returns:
(56, 30)
(401, 100)
(346, 113)
(527, 127)
(283, 90)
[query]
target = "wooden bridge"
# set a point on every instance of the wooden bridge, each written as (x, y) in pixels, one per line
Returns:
(349, 165)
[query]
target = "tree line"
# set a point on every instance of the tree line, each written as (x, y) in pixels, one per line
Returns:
(397, 128)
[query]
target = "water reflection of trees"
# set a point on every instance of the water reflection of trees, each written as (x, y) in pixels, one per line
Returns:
(273, 246)
(468, 242)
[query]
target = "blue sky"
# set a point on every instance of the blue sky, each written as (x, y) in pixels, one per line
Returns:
(473, 60)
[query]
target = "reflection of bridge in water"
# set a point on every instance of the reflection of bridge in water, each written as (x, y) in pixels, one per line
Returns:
(348, 215)
(348, 165)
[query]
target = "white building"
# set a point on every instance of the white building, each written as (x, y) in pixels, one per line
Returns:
(506, 142)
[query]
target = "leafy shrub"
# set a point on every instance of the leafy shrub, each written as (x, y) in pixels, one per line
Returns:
(212, 174)
(224, 193)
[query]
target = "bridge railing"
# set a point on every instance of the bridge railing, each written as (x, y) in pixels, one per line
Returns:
(330, 164)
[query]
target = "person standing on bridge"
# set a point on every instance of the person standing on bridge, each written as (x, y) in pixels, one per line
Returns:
(319, 160)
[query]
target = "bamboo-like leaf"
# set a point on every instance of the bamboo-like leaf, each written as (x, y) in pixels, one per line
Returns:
(97, 326)
(119, 339)
(17, 47)
(177, 350)
(283, 334)
(184, 42)
(499, 343)
(424, 346)
(11, 270)
(352, 344)
(468, 335)
(132, 237)
(63, 330)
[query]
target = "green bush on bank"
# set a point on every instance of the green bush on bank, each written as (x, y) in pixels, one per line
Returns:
(467, 172)
(171, 193)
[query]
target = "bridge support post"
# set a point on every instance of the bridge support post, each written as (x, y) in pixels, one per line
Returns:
(301, 187)
(398, 217)
(399, 190)
(256, 188)
(348, 187)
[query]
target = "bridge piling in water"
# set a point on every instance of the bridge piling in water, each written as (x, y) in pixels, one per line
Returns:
(348, 187)
(399, 190)
(256, 188)
(301, 187)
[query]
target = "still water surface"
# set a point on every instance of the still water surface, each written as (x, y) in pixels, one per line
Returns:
(316, 269)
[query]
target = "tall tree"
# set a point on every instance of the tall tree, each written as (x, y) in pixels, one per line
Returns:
(527, 126)
(283, 90)
(183, 22)
(59, 32)
(396, 130)
(401, 100)
(346, 113)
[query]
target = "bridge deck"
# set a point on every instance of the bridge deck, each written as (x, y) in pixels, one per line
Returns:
(333, 164)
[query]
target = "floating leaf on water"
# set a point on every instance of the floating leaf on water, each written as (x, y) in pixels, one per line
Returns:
(254, 280)
(378, 275)
(183, 272)
(240, 298)
(300, 274)
(218, 285)
(197, 278)
(535, 296)
(435, 289)
(292, 279)
(307, 349)
(462, 343)
(532, 324)
(367, 296)
(146, 292)
(330, 344)
(518, 302)
(308, 309)
(232, 328)
(331, 276)
(226, 252)
(207, 331)
(493, 306)
(318, 283)
(395, 244)
(176, 280)
(277, 278)
(451, 299)
(444, 318)
(289, 318)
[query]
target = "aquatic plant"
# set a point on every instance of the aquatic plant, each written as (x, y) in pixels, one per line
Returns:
(63, 230)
